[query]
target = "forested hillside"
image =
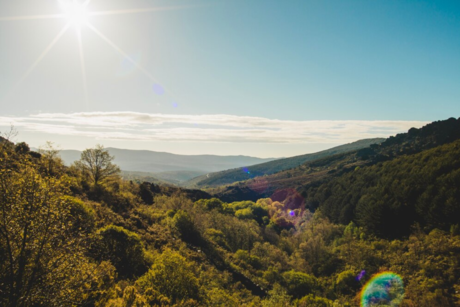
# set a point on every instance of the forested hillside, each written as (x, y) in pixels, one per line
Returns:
(290, 183)
(82, 236)
(423, 188)
(267, 168)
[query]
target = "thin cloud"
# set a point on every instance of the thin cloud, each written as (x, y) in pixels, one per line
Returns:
(205, 128)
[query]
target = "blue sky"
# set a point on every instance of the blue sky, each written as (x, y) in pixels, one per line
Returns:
(252, 68)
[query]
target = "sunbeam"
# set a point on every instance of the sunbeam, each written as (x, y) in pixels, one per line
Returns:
(83, 69)
(134, 11)
(32, 17)
(108, 41)
(42, 55)
(124, 54)
(77, 14)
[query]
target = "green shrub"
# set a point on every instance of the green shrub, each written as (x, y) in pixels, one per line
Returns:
(123, 248)
(299, 284)
(172, 276)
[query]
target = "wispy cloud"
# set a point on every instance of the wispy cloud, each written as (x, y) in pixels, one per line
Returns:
(205, 128)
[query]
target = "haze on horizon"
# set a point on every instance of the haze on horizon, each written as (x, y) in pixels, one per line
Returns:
(258, 78)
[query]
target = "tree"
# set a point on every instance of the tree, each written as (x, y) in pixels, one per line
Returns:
(123, 248)
(278, 297)
(210, 204)
(173, 276)
(184, 224)
(146, 193)
(314, 301)
(346, 282)
(96, 163)
(42, 262)
(299, 284)
(51, 163)
(22, 148)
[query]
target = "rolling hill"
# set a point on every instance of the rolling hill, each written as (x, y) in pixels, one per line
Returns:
(168, 167)
(172, 177)
(271, 167)
(294, 183)
(422, 188)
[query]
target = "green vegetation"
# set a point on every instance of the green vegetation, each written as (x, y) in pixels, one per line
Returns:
(67, 239)
(288, 183)
(96, 163)
(421, 189)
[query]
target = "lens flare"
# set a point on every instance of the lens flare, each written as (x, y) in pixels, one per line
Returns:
(290, 198)
(258, 184)
(361, 275)
(384, 289)
(128, 64)
(158, 89)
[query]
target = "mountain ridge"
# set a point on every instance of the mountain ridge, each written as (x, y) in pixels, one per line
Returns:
(267, 168)
(316, 172)
(159, 162)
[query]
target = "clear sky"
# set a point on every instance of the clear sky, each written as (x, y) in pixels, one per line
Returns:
(254, 77)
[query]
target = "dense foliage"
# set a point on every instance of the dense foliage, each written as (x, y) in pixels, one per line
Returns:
(423, 188)
(332, 166)
(69, 240)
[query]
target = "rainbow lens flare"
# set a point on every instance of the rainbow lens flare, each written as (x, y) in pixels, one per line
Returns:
(384, 289)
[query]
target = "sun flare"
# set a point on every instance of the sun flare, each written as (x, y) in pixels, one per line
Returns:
(75, 12)
(77, 16)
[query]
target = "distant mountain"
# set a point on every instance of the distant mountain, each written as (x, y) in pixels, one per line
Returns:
(268, 168)
(172, 167)
(178, 176)
(70, 156)
(140, 177)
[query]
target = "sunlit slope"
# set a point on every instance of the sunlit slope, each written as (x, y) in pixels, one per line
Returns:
(316, 172)
(284, 184)
(388, 198)
(267, 168)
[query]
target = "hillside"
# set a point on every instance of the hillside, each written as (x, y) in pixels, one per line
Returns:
(323, 169)
(140, 177)
(422, 188)
(278, 184)
(267, 168)
(67, 240)
(172, 177)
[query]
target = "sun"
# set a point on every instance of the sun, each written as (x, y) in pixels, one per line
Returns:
(75, 12)
(77, 15)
